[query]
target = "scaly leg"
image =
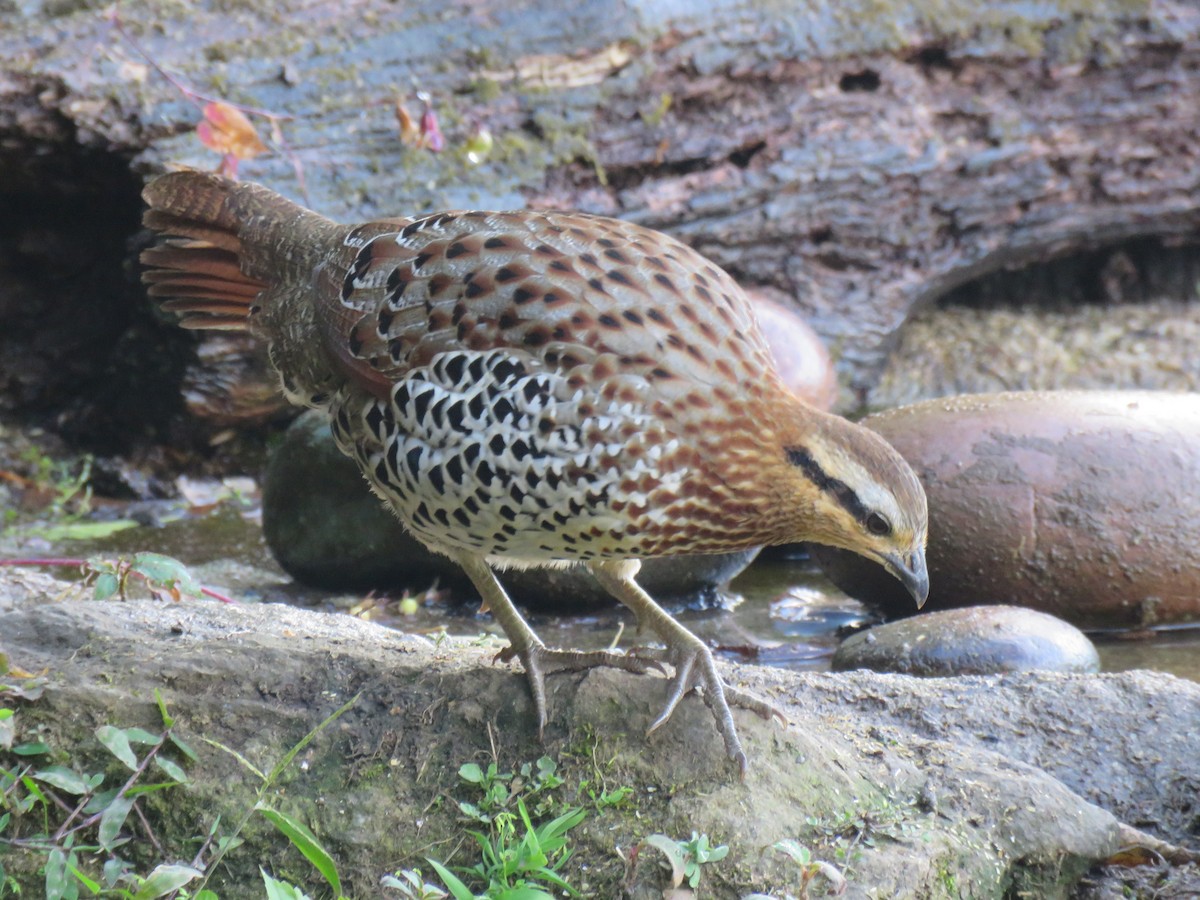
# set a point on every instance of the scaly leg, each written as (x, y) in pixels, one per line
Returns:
(693, 661)
(538, 660)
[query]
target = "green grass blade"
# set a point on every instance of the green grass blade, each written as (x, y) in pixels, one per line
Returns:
(307, 739)
(451, 881)
(306, 842)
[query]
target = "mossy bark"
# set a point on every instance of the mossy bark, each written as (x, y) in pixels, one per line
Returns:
(864, 157)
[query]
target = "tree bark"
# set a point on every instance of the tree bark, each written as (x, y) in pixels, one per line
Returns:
(865, 159)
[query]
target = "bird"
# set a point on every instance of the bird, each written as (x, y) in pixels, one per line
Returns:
(536, 389)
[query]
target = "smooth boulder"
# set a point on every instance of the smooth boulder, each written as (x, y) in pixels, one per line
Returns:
(800, 355)
(1082, 504)
(980, 640)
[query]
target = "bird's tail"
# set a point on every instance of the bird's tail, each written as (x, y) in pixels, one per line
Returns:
(223, 244)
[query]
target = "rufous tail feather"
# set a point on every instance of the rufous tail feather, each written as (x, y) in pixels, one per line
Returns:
(199, 265)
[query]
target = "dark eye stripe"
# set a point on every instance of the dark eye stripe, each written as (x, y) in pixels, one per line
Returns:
(839, 490)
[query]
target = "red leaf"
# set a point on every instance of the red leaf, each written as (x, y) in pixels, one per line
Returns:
(228, 131)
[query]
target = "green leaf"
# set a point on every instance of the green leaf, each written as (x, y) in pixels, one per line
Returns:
(525, 892)
(451, 881)
(471, 772)
(113, 870)
(307, 739)
(117, 742)
(184, 749)
(473, 811)
(281, 890)
(613, 798)
(35, 794)
(111, 821)
(33, 748)
(83, 531)
(306, 842)
(62, 778)
(797, 851)
(717, 853)
(172, 769)
(106, 586)
(94, 886)
(245, 762)
(564, 823)
(142, 736)
(138, 789)
(165, 879)
(165, 571)
(58, 882)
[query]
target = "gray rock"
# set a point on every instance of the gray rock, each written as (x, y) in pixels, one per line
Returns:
(979, 640)
(327, 529)
(973, 787)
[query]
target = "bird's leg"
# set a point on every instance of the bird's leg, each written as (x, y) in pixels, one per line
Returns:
(693, 661)
(538, 660)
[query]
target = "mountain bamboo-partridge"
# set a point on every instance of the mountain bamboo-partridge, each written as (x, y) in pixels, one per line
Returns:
(541, 389)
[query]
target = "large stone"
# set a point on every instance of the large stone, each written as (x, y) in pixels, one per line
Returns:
(974, 787)
(980, 640)
(326, 528)
(801, 356)
(1083, 504)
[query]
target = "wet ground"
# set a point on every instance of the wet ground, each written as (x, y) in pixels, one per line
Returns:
(779, 612)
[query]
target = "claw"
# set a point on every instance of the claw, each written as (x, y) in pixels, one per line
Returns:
(695, 667)
(540, 661)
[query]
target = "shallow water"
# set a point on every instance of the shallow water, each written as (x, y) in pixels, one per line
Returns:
(780, 612)
(1177, 652)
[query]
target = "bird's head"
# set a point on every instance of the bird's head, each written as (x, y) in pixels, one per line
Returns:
(849, 488)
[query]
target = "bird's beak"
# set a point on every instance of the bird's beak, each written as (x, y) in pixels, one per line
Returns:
(911, 572)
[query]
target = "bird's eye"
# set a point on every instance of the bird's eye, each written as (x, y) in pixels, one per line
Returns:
(878, 525)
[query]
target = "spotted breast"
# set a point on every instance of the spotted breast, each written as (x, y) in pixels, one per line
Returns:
(531, 397)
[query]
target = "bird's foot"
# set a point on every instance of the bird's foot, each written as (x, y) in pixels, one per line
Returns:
(540, 661)
(695, 667)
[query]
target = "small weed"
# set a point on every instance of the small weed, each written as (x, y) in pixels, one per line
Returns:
(69, 813)
(863, 825)
(517, 856)
(67, 483)
(162, 575)
(618, 798)
(412, 885)
(65, 811)
(520, 854)
(687, 857)
(56, 498)
(809, 870)
(300, 836)
(501, 788)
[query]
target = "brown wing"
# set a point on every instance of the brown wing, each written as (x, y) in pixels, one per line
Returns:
(558, 286)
